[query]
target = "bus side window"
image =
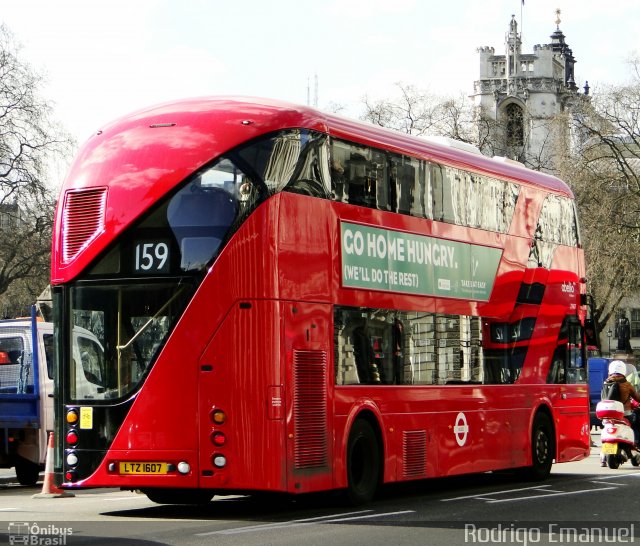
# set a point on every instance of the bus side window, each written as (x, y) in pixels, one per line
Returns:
(402, 176)
(311, 176)
(398, 340)
(339, 183)
(363, 352)
(361, 185)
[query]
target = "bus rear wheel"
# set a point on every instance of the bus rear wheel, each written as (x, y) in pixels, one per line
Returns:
(179, 496)
(363, 463)
(542, 447)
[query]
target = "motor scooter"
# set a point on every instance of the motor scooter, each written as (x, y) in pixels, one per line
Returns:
(617, 438)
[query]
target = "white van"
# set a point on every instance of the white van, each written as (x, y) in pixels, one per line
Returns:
(26, 390)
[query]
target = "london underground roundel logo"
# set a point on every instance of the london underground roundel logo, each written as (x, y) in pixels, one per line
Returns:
(461, 429)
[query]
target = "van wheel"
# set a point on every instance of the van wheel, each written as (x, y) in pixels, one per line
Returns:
(363, 463)
(542, 447)
(27, 472)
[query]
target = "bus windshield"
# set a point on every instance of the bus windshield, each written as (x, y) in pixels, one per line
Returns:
(131, 323)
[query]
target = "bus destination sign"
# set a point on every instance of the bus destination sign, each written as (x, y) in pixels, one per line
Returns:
(395, 261)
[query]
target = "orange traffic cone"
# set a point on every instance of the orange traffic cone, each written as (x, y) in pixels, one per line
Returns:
(49, 488)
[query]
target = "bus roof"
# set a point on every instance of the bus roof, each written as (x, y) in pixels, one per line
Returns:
(144, 155)
(271, 115)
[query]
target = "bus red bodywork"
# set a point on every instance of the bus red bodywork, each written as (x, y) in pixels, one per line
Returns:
(267, 302)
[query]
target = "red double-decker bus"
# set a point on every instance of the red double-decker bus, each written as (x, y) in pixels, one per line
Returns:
(285, 300)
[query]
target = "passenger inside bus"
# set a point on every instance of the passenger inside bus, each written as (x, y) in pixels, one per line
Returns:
(368, 371)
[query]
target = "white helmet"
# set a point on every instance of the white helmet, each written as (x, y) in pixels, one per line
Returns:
(617, 366)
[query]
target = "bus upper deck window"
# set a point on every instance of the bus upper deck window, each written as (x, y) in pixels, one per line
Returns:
(200, 219)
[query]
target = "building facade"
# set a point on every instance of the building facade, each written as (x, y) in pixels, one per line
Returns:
(10, 216)
(519, 96)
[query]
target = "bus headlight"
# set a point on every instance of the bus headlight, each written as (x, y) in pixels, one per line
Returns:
(184, 467)
(72, 459)
(219, 461)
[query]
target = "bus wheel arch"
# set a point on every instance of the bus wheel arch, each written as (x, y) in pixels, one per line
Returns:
(364, 458)
(543, 444)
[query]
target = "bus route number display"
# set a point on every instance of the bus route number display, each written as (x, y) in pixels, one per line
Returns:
(150, 257)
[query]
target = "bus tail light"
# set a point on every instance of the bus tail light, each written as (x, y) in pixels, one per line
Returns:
(218, 438)
(72, 437)
(70, 475)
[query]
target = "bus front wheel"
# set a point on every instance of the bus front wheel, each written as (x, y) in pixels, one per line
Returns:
(178, 496)
(363, 463)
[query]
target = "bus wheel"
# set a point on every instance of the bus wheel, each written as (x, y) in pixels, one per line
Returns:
(363, 463)
(179, 496)
(542, 447)
(27, 472)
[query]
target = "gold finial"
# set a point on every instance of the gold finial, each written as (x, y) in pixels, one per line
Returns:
(558, 17)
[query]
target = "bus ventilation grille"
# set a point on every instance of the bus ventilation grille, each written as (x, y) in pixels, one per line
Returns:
(310, 408)
(414, 453)
(82, 220)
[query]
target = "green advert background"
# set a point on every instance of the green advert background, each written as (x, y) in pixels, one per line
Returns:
(383, 259)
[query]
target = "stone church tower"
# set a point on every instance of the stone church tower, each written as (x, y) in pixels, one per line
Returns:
(519, 96)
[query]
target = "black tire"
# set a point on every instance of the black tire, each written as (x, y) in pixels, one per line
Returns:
(179, 496)
(635, 460)
(27, 472)
(613, 461)
(542, 447)
(363, 463)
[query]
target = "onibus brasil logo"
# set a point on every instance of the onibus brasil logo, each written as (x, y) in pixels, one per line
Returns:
(38, 535)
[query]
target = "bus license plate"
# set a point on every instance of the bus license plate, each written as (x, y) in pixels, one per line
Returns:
(609, 449)
(143, 468)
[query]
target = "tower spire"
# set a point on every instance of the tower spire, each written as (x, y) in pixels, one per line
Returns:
(513, 44)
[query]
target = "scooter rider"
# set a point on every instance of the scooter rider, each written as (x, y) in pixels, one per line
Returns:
(617, 373)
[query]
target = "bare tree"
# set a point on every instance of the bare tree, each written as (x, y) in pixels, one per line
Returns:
(604, 171)
(418, 112)
(593, 144)
(29, 139)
